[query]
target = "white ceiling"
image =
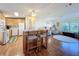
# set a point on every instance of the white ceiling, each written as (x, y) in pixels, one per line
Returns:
(45, 10)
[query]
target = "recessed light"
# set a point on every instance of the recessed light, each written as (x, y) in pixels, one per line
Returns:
(16, 13)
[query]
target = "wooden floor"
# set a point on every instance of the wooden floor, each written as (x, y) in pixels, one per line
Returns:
(16, 49)
(52, 49)
(13, 49)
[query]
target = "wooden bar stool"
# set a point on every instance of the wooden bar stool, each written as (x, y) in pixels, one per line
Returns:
(42, 34)
(43, 37)
(30, 41)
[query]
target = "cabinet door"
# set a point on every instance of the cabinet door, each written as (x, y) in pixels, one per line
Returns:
(1, 37)
(5, 37)
(21, 28)
(2, 25)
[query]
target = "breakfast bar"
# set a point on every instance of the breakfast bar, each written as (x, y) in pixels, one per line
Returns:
(34, 40)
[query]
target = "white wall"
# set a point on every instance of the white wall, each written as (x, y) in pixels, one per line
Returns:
(65, 20)
(41, 22)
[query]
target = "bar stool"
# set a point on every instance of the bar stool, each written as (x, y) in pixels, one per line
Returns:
(42, 34)
(39, 41)
(43, 37)
(30, 39)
